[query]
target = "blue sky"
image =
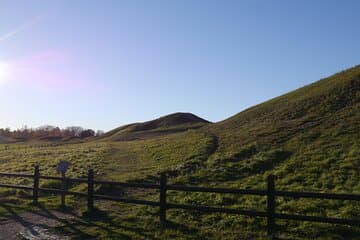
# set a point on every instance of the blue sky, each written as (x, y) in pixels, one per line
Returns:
(101, 64)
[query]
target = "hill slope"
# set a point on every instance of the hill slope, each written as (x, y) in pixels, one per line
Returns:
(315, 124)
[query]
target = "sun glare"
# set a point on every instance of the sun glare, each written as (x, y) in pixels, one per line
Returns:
(4, 70)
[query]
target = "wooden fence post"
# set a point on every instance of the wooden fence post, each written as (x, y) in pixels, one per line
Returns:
(163, 182)
(36, 184)
(90, 196)
(271, 206)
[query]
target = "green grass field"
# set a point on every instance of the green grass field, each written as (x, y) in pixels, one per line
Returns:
(309, 139)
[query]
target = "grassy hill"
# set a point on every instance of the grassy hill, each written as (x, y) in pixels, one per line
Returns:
(169, 124)
(308, 138)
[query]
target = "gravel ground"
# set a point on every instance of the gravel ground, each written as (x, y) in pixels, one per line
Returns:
(34, 226)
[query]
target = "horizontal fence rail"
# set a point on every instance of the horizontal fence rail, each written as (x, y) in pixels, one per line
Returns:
(127, 200)
(75, 180)
(270, 193)
(131, 185)
(318, 219)
(20, 175)
(216, 190)
(217, 210)
(60, 191)
(333, 196)
(16, 186)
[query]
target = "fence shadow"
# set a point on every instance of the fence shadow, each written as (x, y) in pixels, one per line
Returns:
(35, 220)
(70, 223)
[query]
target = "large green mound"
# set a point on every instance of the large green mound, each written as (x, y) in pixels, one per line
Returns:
(176, 122)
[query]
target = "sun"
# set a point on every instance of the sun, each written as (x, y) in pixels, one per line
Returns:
(4, 70)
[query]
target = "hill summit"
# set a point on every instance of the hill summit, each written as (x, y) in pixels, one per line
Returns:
(170, 120)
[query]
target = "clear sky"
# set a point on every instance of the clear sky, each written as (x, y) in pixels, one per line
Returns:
(102, 64)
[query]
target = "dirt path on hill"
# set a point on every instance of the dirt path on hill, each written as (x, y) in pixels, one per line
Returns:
(35, 225)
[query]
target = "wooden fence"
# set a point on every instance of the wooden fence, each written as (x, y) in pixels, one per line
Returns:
(271, 193)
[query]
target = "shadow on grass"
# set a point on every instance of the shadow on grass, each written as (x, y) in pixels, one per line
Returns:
(127, 228)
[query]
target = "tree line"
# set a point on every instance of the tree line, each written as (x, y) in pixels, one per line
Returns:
(49, 132)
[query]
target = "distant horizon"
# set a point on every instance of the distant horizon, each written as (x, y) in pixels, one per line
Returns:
(67, 63)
